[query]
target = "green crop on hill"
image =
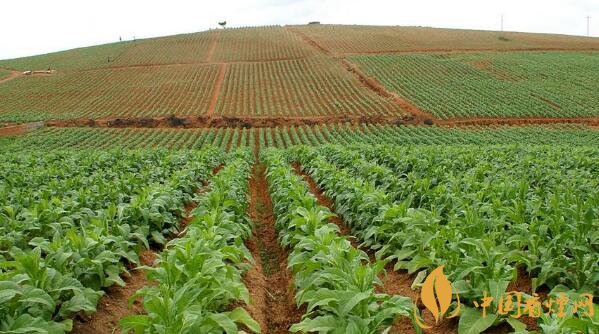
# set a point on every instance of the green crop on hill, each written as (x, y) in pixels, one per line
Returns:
(501, 84)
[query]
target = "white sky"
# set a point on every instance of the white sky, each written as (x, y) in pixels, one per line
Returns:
(29, 27)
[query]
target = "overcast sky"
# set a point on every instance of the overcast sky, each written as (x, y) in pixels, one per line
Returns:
(29, 27)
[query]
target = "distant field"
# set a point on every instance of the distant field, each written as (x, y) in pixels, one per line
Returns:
(284, 72)
(357, 39)
(555, 84)
(3, 74)
(287, 136)
(314, 86)
(133, 92)
(188, 48)
(259, 44)
(230, 45)
(77, 59)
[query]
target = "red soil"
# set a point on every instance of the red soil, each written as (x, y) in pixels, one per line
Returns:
(213, 46)
(227, 121)
(11, 76)
(217, 88)
(114, 305)
(393, 282)
(269, 280)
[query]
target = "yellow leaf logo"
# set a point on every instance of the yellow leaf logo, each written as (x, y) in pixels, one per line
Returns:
(436, 295)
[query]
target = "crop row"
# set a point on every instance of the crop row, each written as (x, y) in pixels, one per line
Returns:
(260, 44)
(240, 44)
(384, 39)
(303, 87)
(133, 92)
(480, 212)
(287, 136)
(332, 278)
(311, 86)
(71, 222)
(543, 84)
(178, 49)
(67, 61)
(199, 275)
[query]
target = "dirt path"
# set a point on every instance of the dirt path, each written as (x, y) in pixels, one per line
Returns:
(377, 87)
(310, 41)
(19, 129)
(114, 305)
(217, 88)
(269, 280)
(11, 76)
(213, 46)
(370, 83)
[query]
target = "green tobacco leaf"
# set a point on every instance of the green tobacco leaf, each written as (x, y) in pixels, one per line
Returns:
(223, 321)
(518, 326)
(322, 324)
(472, 321)
(136, 323)
(355, 300)
(241, 316)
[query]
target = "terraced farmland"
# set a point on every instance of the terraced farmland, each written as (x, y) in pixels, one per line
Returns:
(498, 84)
(303, 179)
(125, 92)
(71, 60)
(288, 136)
(343, 39)
(259, 44)
(309, 87)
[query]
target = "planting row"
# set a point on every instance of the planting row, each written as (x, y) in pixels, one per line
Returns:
(71, 223)
(334, 280)
(482, 213)
(287, 136)
(311, 86)
(501, 84)
(199, 275)
(132, 92)
(341, 39)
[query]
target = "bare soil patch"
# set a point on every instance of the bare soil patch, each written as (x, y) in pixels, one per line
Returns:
(19, 129)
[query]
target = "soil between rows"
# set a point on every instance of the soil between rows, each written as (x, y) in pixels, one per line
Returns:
(393, 282)
(114, 305)
(269, 280)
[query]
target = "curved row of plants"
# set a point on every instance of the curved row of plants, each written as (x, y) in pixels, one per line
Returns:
(71, 223)
(334, 280)
(480, 214)
(199, 275)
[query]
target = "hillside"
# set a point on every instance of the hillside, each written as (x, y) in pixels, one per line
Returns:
(310, 74)
(302, 179)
